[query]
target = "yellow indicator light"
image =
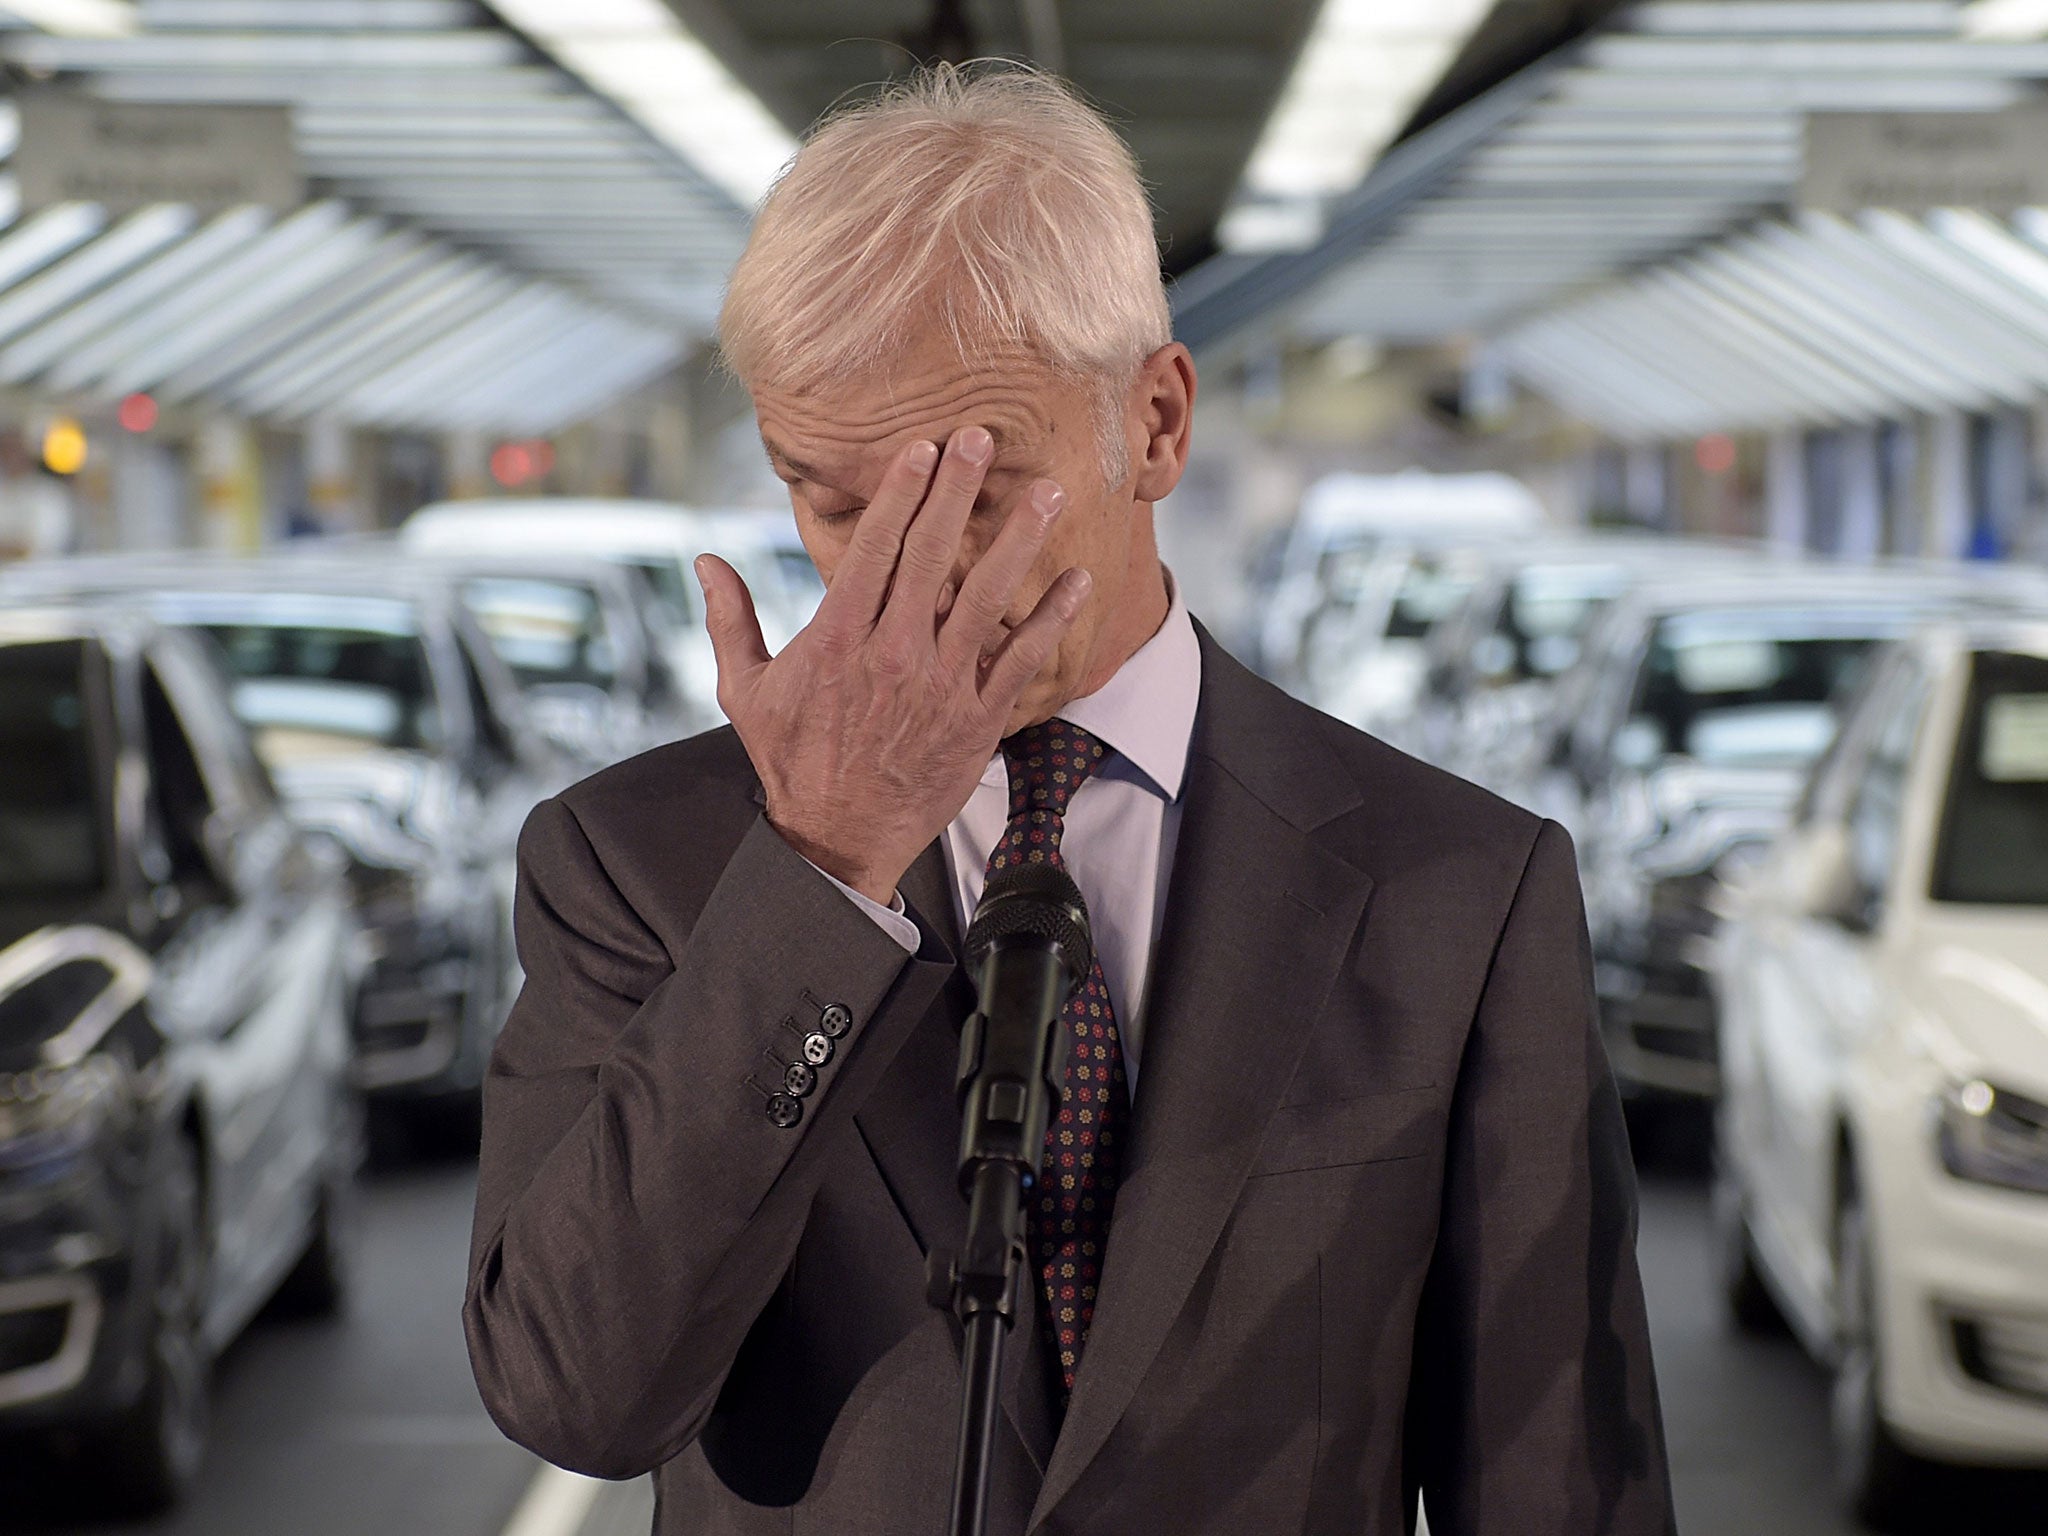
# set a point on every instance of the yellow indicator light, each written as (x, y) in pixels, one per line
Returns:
(64, 447)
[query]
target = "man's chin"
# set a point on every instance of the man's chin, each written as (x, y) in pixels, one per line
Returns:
(1040, 702)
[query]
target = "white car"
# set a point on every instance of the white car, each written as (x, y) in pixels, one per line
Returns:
(1882, 1151)
(659, 539)
(1346, 517)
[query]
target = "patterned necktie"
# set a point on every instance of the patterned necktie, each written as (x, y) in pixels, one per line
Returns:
(1084, 1146)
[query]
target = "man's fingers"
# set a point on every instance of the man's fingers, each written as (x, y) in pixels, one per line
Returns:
(991, 587)
(1031, 644)
(862, 579)
(932, 544)
(734, 627)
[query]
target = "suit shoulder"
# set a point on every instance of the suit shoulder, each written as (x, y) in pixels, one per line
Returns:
(676, 783)
(1408, 787)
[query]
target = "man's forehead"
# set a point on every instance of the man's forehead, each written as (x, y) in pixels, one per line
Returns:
(818, 433)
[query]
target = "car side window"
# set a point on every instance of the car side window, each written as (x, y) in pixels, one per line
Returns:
(177, 785)
(1877, 802)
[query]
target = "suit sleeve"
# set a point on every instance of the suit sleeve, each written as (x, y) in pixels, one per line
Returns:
(1534, 1406)
(637, 1202)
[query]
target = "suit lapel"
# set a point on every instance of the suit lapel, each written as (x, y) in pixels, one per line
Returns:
(1259, 920)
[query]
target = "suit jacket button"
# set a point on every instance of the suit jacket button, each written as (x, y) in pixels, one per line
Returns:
(835, 1019)
(784, 1111)
(799, 1078)
(817, 1049)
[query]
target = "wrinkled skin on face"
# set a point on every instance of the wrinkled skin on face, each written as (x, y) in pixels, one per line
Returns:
(832, 448)
(980, 573)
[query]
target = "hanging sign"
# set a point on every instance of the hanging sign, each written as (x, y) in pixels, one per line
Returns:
(127, 155)
(1916, 161)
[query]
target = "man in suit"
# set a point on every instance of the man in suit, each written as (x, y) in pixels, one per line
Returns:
(1338, 1206)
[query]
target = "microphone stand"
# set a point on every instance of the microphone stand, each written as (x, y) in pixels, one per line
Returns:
(1028, 949)
(979, 1285)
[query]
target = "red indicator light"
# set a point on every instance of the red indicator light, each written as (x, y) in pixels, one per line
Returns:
(1714, 453)
(515, 464)
(137, 413)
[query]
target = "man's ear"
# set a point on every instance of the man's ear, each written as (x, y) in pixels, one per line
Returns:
(1162, 408)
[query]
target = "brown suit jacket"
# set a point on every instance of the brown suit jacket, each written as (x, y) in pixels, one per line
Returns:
(1376, 1229)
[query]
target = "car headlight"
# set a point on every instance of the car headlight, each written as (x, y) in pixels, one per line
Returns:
(49, 1116)
(1991, 1136)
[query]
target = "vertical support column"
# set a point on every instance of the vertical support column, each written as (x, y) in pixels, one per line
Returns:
(1647, 485)
(1785, 500)
(230, 487)
(331, 500)
(468, 457)
(1862, 531)
(1949, 513)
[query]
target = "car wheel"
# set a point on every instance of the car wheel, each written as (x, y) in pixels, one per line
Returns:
(1744, 1293)
(319, 1284)
(154, 1449)
(1880, 1480)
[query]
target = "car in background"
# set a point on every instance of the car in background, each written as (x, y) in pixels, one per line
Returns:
(659, 540)
(1882, 1143)
(1682, 739)
(178, 1134)
(1363, 652)
(772, 537)
(1345, 517)
(390, 726)
(1490, 665)
(589, 649)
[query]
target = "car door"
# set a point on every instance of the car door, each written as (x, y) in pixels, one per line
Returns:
(1828, 992)
(254, 971)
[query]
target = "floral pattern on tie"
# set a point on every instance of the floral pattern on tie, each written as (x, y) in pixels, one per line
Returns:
(1071, 1206)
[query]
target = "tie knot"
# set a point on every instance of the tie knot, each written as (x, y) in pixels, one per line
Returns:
(1048, 762)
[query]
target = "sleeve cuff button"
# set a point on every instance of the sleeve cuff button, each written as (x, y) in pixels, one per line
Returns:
(835, 1019)
(817, 1049)
(784, 1111)
(799, 1078)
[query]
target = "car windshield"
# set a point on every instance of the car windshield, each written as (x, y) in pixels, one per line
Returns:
(546, 631)
(665, 579)
(315, 675)
(1430, 590)
(1548, 614)
(50, 837)
(1994, 836)
(1751, 689)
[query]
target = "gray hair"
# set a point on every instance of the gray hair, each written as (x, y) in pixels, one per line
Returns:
(990, 199)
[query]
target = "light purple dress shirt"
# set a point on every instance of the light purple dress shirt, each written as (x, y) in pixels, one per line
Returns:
(1122, 826)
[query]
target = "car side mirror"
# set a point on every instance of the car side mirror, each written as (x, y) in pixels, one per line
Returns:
(1824, 875)
(222, 842)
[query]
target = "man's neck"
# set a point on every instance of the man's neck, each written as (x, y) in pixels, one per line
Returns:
(1137, 618)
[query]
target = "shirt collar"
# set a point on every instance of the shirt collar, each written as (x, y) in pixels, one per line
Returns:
(1146, 712)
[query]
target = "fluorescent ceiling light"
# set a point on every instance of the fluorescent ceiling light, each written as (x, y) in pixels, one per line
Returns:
(1365, 68)
(1293, 225)
(2006, 20)
(78, 18)
(639, 54)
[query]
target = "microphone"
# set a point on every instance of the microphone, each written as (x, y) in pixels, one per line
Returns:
(1027, 949)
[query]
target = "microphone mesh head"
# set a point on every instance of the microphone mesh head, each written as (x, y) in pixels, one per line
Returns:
(1037, 900)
